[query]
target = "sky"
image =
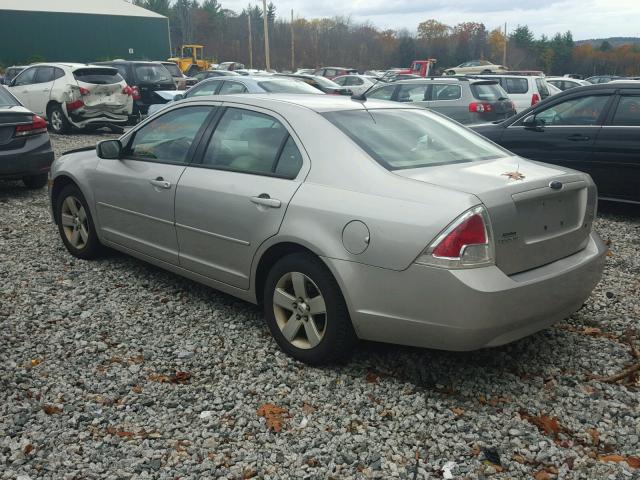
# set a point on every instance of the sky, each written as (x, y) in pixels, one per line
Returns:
(585, 18)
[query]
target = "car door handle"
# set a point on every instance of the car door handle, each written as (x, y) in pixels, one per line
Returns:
(265, 200)
(160, 183)
(578, 137)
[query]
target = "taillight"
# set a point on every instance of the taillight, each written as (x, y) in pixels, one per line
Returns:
(84, 91)
(127, 90)
(135, 93)
(480, 107)
(467, 242)
(37, 126)
(535, 98)
(71, 106)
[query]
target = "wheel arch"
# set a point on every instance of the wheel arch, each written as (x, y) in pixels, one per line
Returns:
(59, 183)
(50, 104)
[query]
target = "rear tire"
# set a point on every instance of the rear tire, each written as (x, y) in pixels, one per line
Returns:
(450, 72)
(306, 312)
(35, 182)
(486, 72)
(58, 120)
(75, 224)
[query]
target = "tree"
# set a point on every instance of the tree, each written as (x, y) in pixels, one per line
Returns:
(496, 41)
(605, 46)
(432, 29)
(162, 7)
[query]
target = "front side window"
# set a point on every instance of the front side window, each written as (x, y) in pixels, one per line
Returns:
(412, 93)
(232, 87)
(207, 88)
(342, 81)
(27, 77)
(577, 111)
(383, 93)
(412, 138)
(168, 138)
(252, 142)
(628, 111)
(445, 92)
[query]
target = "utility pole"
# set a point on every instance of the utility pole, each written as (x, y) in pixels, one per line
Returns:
(250, 41)
(506, 39)
(293, 46)
(266, 35)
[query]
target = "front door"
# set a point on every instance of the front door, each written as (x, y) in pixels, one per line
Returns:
(235, 198)
(567, 136)
(23, 86)
(135, 195)
(41, 89)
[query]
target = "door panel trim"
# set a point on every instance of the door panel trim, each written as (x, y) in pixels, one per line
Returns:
(215, 235)
(138, 214)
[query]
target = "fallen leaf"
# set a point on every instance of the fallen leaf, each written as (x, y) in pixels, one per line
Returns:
(178, 377)
(136, 389)
(591, 331)
(35, 362)
(457, 411)
(308, 408)
(273, 415)
(518, 458)
(547, 425)
(612, 458)
(125, 434)
(51, 409)
(633, 462)
(249, 473)
(28, 448)
(542, 475)
(595, 436)
(372, 377)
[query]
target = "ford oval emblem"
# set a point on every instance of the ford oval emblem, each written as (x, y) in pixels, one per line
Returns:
(555, 185)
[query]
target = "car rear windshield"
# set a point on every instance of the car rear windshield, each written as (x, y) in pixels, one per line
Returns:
(543, 88)
(412, 138)
(173, 69)
(6, 99)
(488, 92)
(153, 74)
(287, 86)
(325, 82)
(98, 76)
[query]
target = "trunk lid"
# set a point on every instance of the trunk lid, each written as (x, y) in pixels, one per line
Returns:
(533, 224)
(102, 90)
(9, 118)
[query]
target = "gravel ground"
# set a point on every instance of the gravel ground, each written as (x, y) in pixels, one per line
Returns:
(115, 369)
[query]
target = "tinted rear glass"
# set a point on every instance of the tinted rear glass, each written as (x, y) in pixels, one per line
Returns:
(6, 99)
(153, 74)
(325, 82)
(98, 76)
(403, 138)
(515, 85)
(173, 69)
(287, 86)
(488, 92)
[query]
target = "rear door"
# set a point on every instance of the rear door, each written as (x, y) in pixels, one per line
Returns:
(569, 134)
(135, 195)
(446, 98)
(615, 166)
(236, 197)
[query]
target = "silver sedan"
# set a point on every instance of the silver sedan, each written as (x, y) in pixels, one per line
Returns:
(345, 219)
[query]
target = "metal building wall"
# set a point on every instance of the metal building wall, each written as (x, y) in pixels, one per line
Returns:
(27, 37)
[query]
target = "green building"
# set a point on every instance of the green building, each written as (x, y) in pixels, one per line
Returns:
(80, 31)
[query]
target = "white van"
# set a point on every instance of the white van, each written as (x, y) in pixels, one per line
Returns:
(523, 90)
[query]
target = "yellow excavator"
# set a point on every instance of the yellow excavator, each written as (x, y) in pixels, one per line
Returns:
(191, 59)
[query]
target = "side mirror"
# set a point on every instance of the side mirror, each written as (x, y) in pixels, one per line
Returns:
(109, 149)
(533, 123)
(179, 96)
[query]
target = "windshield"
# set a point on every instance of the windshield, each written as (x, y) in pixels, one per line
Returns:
(489, 92)
(173, 69)
(287, 86)
(408, 138)
(153, 73)
(6, 99)
(98, 76)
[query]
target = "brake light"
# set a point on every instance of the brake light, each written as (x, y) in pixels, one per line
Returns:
(84, 91)
(535, 98)
(37, 126)
(72, 106)
(480, 107)
(466, 242)
(127, 90)
(135, 93)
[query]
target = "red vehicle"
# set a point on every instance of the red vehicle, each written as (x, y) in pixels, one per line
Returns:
(333, 72)
(422, 68)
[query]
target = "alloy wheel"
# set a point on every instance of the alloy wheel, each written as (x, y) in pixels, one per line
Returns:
(56, 120)
(300, 310)
(74, 222)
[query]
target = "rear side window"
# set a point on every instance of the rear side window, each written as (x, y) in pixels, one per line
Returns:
(628, 112)
(207, 88)
(58, 73)
(515, 85)
(412, 93)
(489, 92)
(543, 88)
(98, 76)
(6, 99)
(45, 74)
(445, 92)
(384, 93)
(232, 87)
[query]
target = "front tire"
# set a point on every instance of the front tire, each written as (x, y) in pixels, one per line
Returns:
(306, 312)
(450, 72)
(58, 120)
(35, 182)
(75, 224)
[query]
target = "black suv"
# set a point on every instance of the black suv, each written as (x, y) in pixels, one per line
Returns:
(594, 128)
(144, 78)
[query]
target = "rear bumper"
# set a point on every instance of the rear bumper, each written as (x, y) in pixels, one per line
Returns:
(465, 309)
(33, 158)
(82, 119)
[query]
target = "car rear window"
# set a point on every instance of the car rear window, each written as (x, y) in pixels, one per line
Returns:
(515, 85)
(173, 69)
(98, 76)
(543, 88)
(153, 74)
(287, 86)
(488, 92)
(6, 99)
(412, 138)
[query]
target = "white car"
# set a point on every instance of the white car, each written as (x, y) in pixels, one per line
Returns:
(74, 94)
(524, 90)
(475, 67)
(565, 83)
(356, 83)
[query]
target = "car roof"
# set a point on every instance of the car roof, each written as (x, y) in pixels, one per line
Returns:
(450, 78)
(317, 103)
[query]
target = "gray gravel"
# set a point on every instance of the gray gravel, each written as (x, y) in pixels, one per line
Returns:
(115, 369)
